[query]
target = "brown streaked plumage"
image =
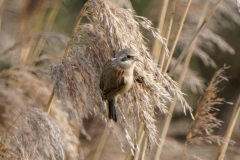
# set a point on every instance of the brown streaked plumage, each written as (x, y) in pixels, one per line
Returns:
(117, 78)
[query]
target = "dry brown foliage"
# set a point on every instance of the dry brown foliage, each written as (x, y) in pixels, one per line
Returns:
(110, 30)
(6, 152)
(25, 128)
(29, 133)
(202, 128)
(35, 136)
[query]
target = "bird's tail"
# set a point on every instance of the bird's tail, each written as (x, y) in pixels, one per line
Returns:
(112, 110)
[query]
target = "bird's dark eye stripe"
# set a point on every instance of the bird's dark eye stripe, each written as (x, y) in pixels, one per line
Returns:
(124, 59)
(129, 56)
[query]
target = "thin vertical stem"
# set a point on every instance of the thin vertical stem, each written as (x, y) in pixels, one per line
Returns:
(185, 51)
(168, 118)
(171, 108)
(51, 17)
(140, 132)
(2, 4)
(157, 45)
(168, 31)
(230, 130)
(50, 100)
(78, 21)
(80, 16)
(176, 37)
(137, 153)
(186, 65)
(180, 83)
(144, 146)
(173, 9)
(165, 129)
(101, 144)
(26, 52)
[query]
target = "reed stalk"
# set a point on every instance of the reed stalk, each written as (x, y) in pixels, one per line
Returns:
(139, 141)
(177, 34)
(171, 108)
(50, 100)
(173, 9)
(168, 31)
(101, 144)
(180, 83)
(144, 148)
(2, 4)
(165, 129)
(26, 53)
(229, 131)
(79, 18)
(51, 17)
(157, 45)
(138, 147)
(185, 51)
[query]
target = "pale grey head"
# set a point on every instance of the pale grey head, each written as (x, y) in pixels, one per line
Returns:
(126, 58)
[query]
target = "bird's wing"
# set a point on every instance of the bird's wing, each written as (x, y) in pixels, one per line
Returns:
(138, 78)
(112, 80)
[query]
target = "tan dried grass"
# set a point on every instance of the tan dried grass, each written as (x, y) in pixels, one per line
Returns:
(110, 30)
(202, 128)
(23, 97)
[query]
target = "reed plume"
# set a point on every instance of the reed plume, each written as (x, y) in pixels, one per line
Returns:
(111, 29)
(202, 128)
(23, 97)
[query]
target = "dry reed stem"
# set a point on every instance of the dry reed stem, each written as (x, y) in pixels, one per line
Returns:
(2, 4)
(191, 49)
(144, 148)
(48, 25)
(138, 141)
(138, 150)
(41, 43)
(75, 30)
(50, 101)
(26, 53)
(79, 18)
(177, 34)
(195, 36)
(202, 127)
(173, 9)
(169, 28)
(238, 5)
(230, 128)
(180, 83)
(185, 68)
(157, 45)
(164, 130)
(101, 144)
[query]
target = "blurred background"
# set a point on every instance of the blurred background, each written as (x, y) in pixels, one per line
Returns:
(35, 33)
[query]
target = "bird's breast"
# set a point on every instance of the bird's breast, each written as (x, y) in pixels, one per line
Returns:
(128, 80)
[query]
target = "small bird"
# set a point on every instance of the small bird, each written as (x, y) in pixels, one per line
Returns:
(117, 78)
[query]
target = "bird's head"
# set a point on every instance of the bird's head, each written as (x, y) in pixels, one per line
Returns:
(126, 58)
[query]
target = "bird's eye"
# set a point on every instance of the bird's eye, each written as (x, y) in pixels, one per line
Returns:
(128, 56)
